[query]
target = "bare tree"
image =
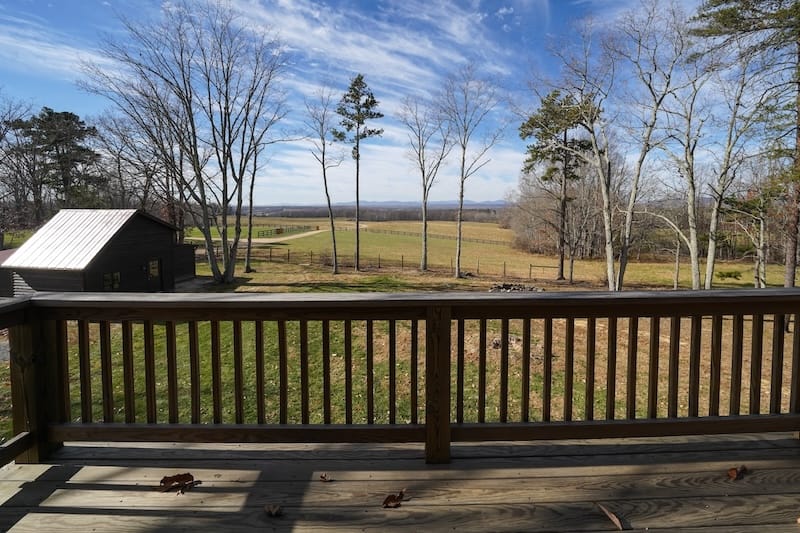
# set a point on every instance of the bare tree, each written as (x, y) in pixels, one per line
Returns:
(588, 78)
(319, 116)
(649, 42)
(202, 83)
(467, 105)
(430, 141)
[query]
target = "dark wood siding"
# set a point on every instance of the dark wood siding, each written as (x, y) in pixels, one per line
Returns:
(141, 240)
(184, 261)
(28, 281)
(6, 283)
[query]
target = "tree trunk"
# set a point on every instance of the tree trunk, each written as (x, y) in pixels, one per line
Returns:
(330, 213)
(790, 258)
(358, 217)
(247, 266)
(605, 189)
(677, 272)
(713, 236)
(694, 252)
(423, 263)
(458, 229)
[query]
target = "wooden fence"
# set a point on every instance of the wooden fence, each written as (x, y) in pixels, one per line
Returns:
(432, 368)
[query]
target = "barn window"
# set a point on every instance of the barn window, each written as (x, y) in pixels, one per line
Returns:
(153, 269)
(111, 281)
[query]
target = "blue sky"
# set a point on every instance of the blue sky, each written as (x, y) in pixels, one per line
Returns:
(402, 47)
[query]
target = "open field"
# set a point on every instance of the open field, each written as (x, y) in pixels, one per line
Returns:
(487, 255)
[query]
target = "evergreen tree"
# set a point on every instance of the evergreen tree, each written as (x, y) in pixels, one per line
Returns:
(357, 106)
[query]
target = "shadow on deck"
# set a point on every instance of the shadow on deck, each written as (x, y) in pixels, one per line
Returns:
(655, 484)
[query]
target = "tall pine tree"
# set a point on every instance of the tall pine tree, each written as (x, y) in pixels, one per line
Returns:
(357, 106)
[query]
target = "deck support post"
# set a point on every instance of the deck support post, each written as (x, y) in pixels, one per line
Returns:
(437, 385)
(34, 384)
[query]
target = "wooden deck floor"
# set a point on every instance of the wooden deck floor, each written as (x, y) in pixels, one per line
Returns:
(656, 485)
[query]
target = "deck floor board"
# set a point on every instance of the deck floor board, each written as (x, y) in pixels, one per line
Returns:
(663, 484)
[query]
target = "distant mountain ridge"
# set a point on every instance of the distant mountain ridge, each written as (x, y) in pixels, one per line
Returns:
(392, 204)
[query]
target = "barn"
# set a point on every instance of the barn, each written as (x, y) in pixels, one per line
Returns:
(101, 250)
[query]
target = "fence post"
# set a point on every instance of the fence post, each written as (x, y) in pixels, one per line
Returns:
(311, 258)
(287, 256)
(530, 270)
(478, 268)
(437, 385)
(379, 261)
(504, 270)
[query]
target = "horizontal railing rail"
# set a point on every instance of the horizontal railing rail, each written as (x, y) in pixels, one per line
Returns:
(433, 368)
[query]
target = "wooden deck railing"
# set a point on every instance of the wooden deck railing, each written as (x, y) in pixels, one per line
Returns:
(433, 368)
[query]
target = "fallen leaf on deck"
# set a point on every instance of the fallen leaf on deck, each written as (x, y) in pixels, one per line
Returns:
(736, 474)
(273, 510)
(177, 478)
(325, 477)
(179, 482)
(393, 501)
(611, 516)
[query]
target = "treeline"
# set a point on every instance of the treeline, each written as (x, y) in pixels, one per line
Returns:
(471, 214)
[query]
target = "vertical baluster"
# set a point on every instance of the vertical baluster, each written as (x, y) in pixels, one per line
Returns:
(776, 385)
(611, 369)
(632, 370)
(694, 365)
(105, 371)
(526, 371)
(261, 414)
(591, 337)
(348, 371)
(716, 365)
(756, 355)
(283, 373)
(674, 360)
(85, 370)
(216, 377)
(460, 371)
(392, 370)
(370, 377)
(482, 371)
(652, 376)
(194, 371)
(304, 393)
(65, 410)
(326, 371)
(238, 373)
(151, 406)
(504, 370)
(414, 371)
(737, 348)
(569, 364)
(128, 373)
(794, 396)
(172, 373)
(547, 374)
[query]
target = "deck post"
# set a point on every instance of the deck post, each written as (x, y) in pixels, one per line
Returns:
(34, 383)
(437, 385)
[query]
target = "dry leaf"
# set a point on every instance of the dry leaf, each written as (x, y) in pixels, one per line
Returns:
(325, 477)
(736, 474)
(611, 516)
(393, 501)
(273, 510)
(177, 478)
(179, 482)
